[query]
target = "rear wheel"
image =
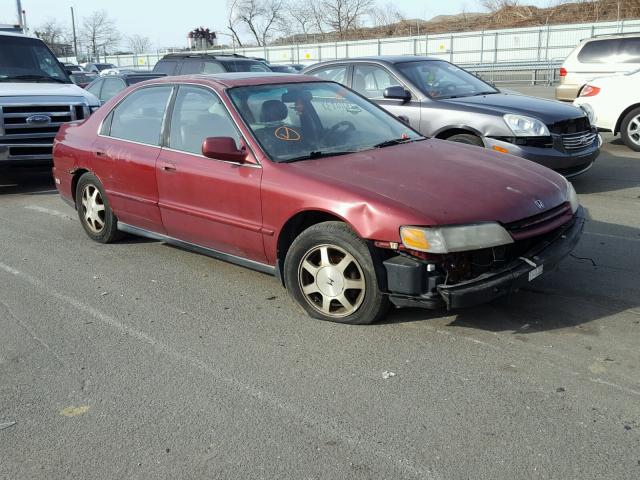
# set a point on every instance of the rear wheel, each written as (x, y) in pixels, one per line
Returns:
(330, 274)
(467, 138)
(630, 129)
(94, 211)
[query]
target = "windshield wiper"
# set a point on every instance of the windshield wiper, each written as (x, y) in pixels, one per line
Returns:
(33, 77)
(394, 141)
(317, 154)
(483, 93)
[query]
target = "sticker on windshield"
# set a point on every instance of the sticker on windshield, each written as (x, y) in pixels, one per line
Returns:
(287, 133)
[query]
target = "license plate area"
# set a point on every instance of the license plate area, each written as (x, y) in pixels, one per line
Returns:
(536, 272)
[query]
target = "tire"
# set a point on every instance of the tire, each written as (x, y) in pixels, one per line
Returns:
(94, 212)
(467, 139)
(320, 262)
(630, 129)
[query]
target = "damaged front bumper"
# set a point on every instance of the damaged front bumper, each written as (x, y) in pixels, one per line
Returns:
(493, 284)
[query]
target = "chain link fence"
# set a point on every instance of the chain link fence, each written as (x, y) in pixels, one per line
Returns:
(519, 55)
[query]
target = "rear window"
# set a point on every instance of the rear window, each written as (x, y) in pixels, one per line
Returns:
(245, 66)
(165, 66)
(614, 50)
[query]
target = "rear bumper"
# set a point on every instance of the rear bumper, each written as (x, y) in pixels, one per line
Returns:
(568, 164)
(515, 275)
(567, 92)
(418, 292)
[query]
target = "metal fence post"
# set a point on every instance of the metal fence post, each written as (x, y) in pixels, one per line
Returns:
(482, 46)
(539, 43)
(495, 49)
(379, 47)
(451, 48)
(415, 46)
(336, 50)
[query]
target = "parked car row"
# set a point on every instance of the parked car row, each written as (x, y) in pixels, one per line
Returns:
(350, 207)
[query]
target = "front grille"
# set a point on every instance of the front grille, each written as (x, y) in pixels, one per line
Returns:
(579, 140)
(572, 125)
(27, 131)
(541, 223)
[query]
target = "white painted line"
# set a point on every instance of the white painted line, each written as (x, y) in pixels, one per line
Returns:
(328, 426)
(49, 211)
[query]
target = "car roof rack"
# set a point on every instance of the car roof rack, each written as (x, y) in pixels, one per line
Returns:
(205, 54)
(625, 34)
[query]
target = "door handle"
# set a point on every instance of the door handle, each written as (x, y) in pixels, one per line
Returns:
(100, 153)
(168, 167)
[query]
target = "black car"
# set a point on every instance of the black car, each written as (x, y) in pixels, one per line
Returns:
(444, 101)
(108, 86)
(283, 69)
(192, 63)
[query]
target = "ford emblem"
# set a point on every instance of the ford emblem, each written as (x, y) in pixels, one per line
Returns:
(539, 204)
(39, 119)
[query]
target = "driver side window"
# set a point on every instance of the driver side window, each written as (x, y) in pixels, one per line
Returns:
(198, 114)
(371, 81)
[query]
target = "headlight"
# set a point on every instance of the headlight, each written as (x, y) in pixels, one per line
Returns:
(572, 197)
(454, 239)
(522, 126)
(588, 109)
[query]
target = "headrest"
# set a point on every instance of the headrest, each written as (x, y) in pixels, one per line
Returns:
(273, 111)
(294, 95)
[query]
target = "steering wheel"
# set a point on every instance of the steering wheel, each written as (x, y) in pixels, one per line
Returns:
(341, 128)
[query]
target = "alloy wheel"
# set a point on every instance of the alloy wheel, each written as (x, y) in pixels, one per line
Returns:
(93, 209)
(332, 280)
(633, 130)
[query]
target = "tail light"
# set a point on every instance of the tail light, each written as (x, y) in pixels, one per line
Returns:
(589, 91)
(563, 72)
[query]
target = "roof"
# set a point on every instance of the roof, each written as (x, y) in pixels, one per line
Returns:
(207, 54)
(132, 74)
(380, 58)
(238, 79)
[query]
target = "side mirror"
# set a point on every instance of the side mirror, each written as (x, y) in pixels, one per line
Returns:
(223, 148)
(404, 119)
(69, 71)
(398, 93)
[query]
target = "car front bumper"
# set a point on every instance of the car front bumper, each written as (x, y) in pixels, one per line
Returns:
(566, 163)
(542, 258)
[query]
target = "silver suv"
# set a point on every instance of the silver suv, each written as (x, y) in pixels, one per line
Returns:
(598, 57)
(36, 97)
(444, 101)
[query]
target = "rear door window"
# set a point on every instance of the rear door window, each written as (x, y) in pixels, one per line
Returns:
(190, 67)
(335, 73)
(212, 67)
(165, 66)
(614, 50)
(138, 118)
(110, 88)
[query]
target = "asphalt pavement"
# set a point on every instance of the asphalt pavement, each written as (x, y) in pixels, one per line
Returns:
(139, 360)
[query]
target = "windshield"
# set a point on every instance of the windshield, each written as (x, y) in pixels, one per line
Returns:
(245, 66)
(439, 80)
(298, 121)
(25, 59)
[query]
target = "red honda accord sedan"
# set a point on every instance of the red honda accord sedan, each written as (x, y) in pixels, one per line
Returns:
(304, 179)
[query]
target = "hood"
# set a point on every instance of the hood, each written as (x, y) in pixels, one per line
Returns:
(549, 111)
(444, 182)
(31, 89)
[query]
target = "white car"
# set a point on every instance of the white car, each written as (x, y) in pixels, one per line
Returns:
(614, 105)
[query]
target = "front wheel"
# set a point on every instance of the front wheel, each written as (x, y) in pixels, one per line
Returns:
(329, 272)
(630, 129)
(467, 139)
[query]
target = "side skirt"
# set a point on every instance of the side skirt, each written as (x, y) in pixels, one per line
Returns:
(243, 262)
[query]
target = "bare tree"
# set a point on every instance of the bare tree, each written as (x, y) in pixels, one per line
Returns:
(233, 20)
(138, 43)
(345, 15)
(99, 31)
(260, 17)
(54, 35)
(299, 18)
(386, 18)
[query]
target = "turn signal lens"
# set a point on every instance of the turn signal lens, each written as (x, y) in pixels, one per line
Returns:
(500, 149)
(589, 91)
(414, 238)
(563, 72)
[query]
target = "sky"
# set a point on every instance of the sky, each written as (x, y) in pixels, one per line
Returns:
(167, 22)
